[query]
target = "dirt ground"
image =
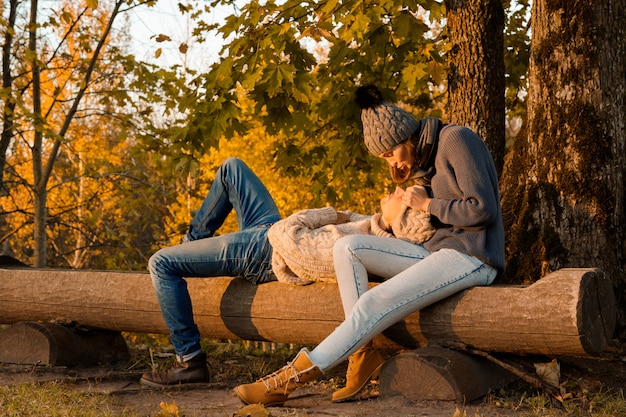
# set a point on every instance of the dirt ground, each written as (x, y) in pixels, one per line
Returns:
(579, 376)
(216, 399)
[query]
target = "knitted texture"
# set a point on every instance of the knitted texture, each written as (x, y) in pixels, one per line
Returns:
(385, 126)
(410, 225)
(413, 226)
(466, 195)
(303, 242)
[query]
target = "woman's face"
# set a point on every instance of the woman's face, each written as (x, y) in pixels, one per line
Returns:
(399, 158)
(391, 205)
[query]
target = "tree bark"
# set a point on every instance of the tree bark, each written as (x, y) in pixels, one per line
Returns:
(571, 312)
(42, 171)
(8, 111)
(40, 182)
(563, 191)
(476, 87)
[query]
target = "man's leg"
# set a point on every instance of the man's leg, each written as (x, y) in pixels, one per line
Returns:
(247, 254)
(235, 186)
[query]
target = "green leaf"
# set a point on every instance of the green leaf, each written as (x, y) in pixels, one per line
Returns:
(412, 73)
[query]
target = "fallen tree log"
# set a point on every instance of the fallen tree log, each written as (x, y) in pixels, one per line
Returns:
(569, 312)
(35, 343)
(435, 373)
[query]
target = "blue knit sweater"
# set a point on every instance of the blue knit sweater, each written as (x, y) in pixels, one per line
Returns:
(466, 198)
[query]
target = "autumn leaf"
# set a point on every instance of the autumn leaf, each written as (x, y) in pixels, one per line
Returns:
(459, 413)
(549, 372)
(252, 410)
(168, 410)
(162, 38)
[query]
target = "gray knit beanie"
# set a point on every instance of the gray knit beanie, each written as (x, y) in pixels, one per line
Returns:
(384, 125)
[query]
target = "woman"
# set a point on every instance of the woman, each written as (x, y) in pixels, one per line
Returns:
(303, 243)
(466, 250)
(297, 250)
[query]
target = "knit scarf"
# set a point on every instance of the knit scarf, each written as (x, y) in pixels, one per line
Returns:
(426, 137)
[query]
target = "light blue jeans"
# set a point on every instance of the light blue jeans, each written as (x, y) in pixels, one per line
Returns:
(246, 253)
(414, 279)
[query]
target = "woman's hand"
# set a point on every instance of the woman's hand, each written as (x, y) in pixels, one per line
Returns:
(417, 198)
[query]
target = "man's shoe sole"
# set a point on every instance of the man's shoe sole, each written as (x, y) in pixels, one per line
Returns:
(154, 384)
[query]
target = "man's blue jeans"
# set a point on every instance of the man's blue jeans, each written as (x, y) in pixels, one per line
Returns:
(246, 253)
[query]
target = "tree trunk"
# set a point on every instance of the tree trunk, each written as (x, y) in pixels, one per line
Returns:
(476, 87)
(42, 170)
(39, 188)
(571, 312)
(563, 187)
(8, 111)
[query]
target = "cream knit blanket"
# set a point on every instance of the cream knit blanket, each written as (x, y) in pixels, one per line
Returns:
(303, 242)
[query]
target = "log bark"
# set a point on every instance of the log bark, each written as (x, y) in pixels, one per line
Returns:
(569, 312)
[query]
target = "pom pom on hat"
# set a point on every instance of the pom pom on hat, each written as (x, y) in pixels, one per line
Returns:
(368, 96)
(384, 125)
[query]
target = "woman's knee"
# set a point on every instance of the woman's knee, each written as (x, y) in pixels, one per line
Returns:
(345, 245)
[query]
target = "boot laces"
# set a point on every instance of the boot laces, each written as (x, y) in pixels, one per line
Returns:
(352, 358)
(275, 380)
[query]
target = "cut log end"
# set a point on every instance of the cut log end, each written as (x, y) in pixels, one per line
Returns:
(435, 373)
(34, 343)
(598, 310)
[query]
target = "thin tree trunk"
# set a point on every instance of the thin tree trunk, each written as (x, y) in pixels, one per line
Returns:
(563, 192)
(81, 240)
(42, 172)
(476, 87)
(8, 129)
(40, 191)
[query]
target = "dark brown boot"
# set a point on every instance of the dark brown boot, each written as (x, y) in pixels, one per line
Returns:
(193, 371)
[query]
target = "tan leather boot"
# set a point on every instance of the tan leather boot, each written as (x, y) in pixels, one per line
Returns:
(363, 365)
(274, 388)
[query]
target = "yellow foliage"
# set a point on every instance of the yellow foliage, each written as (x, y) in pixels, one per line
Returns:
(252, 410)
(255, 150)
(168, 410)
(459, 413)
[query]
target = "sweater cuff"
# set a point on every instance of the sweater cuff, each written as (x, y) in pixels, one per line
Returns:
(376, 229)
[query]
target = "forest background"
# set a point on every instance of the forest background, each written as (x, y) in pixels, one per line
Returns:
(105, 154)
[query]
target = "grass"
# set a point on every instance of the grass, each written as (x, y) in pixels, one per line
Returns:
(604, 403)
(55, 400)
(235, 362)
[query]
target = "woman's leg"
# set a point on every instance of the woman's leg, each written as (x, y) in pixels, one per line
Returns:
(358, 256)
(235, 186)
(435, 277)
(352, 266)
(439, 275)
(246, 254)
